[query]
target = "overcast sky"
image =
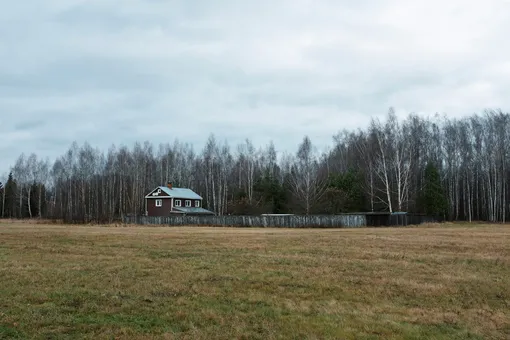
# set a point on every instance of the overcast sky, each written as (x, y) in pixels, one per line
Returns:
(119, 71)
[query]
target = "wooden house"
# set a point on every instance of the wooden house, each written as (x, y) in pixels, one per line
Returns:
(167, 201)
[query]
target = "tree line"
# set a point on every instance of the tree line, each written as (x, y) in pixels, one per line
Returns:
(454, 169)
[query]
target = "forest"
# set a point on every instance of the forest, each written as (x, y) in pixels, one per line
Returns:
(450, 168)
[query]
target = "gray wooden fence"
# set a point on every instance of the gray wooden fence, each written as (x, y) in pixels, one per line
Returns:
(289, 221)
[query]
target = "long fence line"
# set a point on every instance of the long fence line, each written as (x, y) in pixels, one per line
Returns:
(292, 221)
(289, 221)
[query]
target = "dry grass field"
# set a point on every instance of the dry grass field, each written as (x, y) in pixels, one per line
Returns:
(429, 282)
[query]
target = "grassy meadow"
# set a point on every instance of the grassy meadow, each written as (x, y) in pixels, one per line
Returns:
(94, 282)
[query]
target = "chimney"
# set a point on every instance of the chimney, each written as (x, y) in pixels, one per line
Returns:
(169, 185)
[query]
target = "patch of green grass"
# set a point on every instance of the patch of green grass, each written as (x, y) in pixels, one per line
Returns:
(10, 332)
(437, 331)
(172, 255)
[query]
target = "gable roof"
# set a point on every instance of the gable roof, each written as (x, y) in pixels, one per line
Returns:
(177, 193)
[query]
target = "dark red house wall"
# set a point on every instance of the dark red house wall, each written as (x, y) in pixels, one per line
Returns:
(164, 210)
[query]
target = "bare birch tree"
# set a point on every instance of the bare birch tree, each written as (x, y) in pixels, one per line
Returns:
(307, 183)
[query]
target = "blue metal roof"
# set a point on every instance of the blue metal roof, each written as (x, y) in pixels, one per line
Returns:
(181, 193)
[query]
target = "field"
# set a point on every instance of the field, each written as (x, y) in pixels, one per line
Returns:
(428, 282)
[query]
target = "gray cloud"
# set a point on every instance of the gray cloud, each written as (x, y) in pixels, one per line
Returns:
(28, 125)
(271, 70)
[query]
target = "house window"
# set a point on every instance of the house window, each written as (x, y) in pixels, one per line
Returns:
(197, 204)
(159, 203)
(188, 203)
(177, 203)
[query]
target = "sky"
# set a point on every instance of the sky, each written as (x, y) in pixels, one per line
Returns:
(111, 72)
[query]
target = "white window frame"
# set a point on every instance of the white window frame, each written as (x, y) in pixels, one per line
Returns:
(197, 204)
(160, 201)
(188, 203)
(177, 203)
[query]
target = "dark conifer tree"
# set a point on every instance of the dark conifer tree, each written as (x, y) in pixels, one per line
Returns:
(433, 197)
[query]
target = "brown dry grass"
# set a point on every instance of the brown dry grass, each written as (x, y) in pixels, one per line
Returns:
(440, 282)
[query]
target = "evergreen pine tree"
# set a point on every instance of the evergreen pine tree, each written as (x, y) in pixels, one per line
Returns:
(272, 193)
(9, 208)
(2, 199)
(345, 193)
(433, 197)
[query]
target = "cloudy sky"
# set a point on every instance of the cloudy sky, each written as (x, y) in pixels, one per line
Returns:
(115, 72)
